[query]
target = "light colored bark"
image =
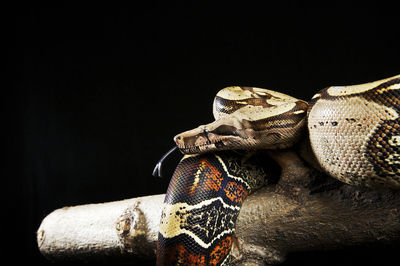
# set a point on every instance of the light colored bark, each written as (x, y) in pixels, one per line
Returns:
(119, 230)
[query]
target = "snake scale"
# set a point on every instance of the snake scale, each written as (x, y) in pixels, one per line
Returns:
(354, 132)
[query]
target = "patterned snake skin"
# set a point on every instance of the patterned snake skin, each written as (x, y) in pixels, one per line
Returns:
(354, 132)
(355, 135)
(202, 203)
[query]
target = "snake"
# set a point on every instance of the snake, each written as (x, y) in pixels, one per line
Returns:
(353, 131)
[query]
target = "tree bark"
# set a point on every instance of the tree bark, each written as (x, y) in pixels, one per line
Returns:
(304, 211)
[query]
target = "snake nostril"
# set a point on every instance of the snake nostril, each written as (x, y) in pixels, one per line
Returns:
(177, 138)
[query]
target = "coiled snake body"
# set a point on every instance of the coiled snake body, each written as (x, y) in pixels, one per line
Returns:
(354, 132)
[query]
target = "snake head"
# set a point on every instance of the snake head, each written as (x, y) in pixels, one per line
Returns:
(222, 134)
(277, 128)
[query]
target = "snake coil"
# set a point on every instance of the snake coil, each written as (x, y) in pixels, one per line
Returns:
(201, 206)
(354, 133)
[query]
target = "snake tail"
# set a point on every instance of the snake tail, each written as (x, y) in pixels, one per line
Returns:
(202, 203)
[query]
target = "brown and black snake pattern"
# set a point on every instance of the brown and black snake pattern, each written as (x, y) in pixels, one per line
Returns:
(201, 206)
(354, 132)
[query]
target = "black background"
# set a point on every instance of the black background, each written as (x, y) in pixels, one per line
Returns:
(100, 92)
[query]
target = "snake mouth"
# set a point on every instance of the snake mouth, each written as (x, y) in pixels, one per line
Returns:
(217, 145)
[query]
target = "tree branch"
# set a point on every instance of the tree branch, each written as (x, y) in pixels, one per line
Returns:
(114, 231)
(304, 211)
